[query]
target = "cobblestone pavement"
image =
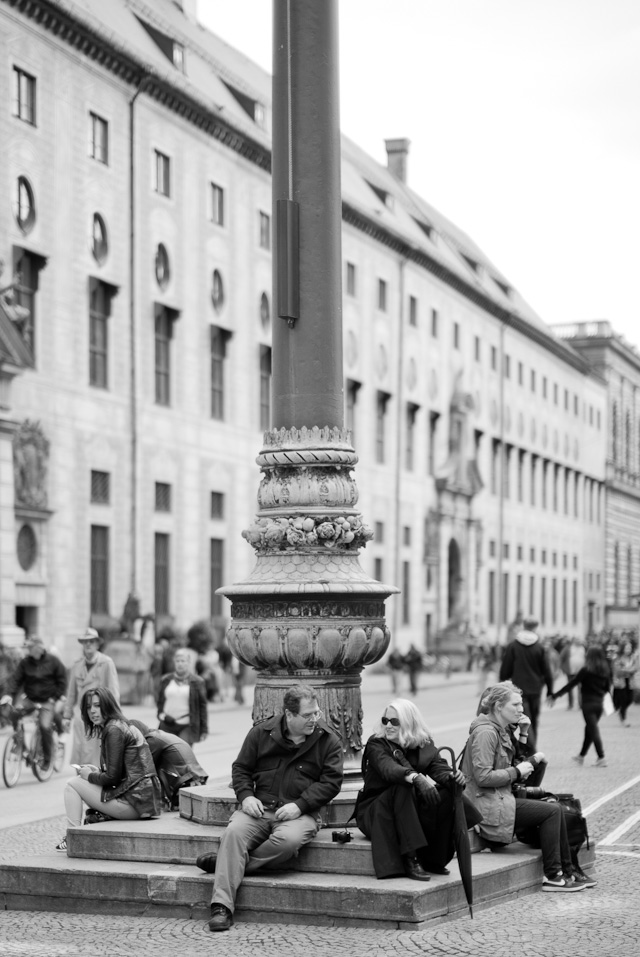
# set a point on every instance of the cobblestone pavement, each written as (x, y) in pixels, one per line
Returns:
(603, 921)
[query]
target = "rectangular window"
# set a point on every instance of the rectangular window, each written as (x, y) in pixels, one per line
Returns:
(566, 399)
(217, 204)
(216, 570)
(99, 312)
(520, 373)
(99, 570)
(532, 554)
(567, 480)
(26, 267)
(507, 367)
(161, 557)
(532, 486)
(382, 295)
(217, 505)
(495, 465)
(564, 601)
(378, 532)
(574, 602)
(544, 387)
(377, 569)
(520, 483)
(506, 474)
(351, 400)
(98, 139)
(555, 393)
(413, 311)
(532, 594)
(265, 231)
(492, 548)
(545, 470)
(412, 411)
(518, 593)
(556, 482)
(265, 388)
(351, 279)
(492, 598)
(543, 601)
(163, 333)
(576, 405)
(163, 497)
(554, 597)
(434, 323)
(100, 488)
(162, 174)
(477, 348)
(406, 535)
(406, 593)
(533, 380)
(382, 399)
(456, 335)
(24, 96)
(576, 492)
(433, 432)
(494, 358)
(218, 357)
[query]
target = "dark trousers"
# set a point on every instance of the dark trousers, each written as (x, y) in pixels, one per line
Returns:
(531, 707)
(542, 825)
(46, 718)
(397, 824)
(622, 698)
(592, 714)
(183, 731)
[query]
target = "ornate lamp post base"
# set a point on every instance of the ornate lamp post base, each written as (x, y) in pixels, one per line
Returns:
(308, 613)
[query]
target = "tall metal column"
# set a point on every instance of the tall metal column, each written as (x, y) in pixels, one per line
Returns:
(308, 612)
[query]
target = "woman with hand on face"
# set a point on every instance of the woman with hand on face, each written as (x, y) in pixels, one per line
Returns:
(125, 787)
(492, 766)
(407, 818)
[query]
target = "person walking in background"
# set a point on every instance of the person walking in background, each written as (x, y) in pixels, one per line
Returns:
(525, 663)
(594, 681)
(571, 661)
(92, 670)
(182, 701)
(625, 665)
(395, 663)
(413, 664)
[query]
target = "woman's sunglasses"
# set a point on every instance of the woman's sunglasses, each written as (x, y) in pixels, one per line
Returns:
(394, 721)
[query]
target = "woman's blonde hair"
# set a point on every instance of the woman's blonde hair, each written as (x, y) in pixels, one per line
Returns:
(496, 696)
(413, 730)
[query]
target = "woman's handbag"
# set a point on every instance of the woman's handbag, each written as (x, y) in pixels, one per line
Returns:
(608, 706)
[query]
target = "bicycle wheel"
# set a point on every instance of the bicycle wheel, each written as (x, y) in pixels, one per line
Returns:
(37, 758)
(12, 760)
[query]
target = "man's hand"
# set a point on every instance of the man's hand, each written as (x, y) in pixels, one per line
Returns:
(252, 806)
(288, 812)
(459, 778)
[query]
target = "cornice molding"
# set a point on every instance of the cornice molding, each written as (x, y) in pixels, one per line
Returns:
(122, 64)
(360, 221)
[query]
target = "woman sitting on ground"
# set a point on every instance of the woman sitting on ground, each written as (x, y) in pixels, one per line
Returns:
(408, 820)
(492, 768)
(126, 786)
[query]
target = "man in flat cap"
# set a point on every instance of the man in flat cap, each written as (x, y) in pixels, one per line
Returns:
(91, 670)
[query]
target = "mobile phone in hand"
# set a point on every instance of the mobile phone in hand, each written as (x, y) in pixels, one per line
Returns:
(76, 768)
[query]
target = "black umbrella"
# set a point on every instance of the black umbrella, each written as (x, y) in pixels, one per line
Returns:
(461, 835)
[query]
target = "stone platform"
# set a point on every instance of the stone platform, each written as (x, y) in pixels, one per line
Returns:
(147, 868)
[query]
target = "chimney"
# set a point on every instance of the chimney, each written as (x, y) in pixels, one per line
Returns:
(397, 153)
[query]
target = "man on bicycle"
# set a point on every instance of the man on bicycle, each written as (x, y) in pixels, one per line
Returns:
(39, 679)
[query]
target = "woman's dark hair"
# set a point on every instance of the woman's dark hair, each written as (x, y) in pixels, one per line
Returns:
(108, 706)
(595, 661)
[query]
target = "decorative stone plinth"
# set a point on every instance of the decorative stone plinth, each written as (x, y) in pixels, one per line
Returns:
(308, 612)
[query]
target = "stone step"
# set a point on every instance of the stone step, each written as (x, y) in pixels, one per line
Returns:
(56, 882)
(214, 804)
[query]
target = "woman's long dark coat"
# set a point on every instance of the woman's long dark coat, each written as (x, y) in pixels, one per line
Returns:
(390, 814)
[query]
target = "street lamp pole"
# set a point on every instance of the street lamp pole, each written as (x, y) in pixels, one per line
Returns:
(308, 612)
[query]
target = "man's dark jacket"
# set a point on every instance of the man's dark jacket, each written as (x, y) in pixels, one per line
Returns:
(526, 663)
(40, 679)
(277, 771)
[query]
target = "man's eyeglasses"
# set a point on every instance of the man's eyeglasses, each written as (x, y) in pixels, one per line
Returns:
(310, 715)
(393, 721)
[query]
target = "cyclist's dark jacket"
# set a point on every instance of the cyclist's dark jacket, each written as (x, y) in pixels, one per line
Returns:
(39, 679)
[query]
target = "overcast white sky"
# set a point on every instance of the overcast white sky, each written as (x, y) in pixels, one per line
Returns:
(524, 121)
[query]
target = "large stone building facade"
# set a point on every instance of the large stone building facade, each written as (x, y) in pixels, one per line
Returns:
(618, 362)
(135, 228)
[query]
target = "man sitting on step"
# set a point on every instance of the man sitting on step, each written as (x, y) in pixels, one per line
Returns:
(288, 767)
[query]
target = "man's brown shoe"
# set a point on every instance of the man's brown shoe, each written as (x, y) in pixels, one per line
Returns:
(207, 862)
(221, 918)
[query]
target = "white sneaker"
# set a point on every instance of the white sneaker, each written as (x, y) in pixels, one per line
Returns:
(601, 763)
(561, 884)
(578, 759)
